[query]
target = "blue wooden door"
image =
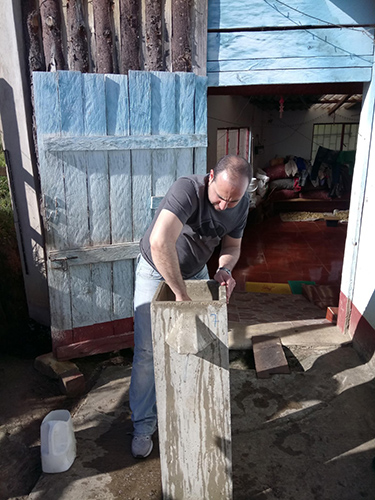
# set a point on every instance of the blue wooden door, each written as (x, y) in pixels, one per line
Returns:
(109, 148)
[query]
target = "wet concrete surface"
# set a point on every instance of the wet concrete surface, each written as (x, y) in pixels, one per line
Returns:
(309, 435)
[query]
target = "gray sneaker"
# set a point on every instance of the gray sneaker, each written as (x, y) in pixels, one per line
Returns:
(141, 446)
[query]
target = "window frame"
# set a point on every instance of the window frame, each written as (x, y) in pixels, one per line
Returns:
(341, 135)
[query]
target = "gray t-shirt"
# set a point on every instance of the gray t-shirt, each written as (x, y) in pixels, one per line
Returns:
(203, 226)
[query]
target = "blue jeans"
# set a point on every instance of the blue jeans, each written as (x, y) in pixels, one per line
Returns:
(142, 386)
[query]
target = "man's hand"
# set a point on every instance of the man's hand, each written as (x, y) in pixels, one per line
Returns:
(182, 297)
(230, 252)
(226, 280)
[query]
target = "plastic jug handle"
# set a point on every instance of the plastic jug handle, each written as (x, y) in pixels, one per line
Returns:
(50, 434)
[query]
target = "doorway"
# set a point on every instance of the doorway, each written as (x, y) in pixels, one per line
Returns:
(283, 122)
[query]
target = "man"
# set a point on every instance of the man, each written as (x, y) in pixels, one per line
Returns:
(195, 215)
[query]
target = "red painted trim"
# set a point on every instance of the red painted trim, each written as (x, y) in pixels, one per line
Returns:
(360, 330)
(123, 325)
(61, 337)
(95, 346)
(101, 330)
(91, 333)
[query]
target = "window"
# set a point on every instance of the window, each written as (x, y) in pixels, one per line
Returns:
(336, 136)
(233, 141)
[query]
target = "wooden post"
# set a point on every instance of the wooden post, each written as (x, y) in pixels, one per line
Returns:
(130, 35)
(181, 36)
(153, 52)
(104, 38)
(52, 42)
(78, 56)
(33, 39)
(192, 389)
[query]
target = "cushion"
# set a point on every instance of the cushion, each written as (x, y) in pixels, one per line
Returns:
(276, 172)
(282, 184)
(283, 194)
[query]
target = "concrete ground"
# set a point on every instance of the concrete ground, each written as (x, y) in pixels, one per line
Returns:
(308, 435)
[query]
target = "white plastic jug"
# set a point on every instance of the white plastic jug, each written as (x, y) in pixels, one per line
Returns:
(57, 441)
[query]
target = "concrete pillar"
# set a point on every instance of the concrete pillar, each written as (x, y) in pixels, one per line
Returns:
(192, 389)
(15, 130)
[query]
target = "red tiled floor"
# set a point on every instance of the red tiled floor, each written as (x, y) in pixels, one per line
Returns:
(274, 251)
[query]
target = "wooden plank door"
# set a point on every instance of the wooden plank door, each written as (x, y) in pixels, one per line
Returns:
(109, 148)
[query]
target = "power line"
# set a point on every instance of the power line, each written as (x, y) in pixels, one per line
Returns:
(317, 18)
(314, 35)
(235, 122)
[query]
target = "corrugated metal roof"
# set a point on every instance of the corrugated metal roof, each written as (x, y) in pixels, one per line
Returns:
(329, 102)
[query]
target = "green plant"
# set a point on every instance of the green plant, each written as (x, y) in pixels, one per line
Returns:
(2, 157)
(6, 213)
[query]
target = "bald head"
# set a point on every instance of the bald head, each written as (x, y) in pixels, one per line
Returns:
(228, 182)
(236, 167)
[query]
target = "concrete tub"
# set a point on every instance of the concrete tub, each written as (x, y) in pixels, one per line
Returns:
(191, 362)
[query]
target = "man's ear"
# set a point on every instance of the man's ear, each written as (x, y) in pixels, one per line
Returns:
(211, 176)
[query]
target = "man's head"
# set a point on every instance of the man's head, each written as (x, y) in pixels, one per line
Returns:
(228, 182)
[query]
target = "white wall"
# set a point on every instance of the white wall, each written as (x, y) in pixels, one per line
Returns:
(364, 291)
(229, 112)
(292, 133)
(289, 135)
(15, 132)
(358, 278)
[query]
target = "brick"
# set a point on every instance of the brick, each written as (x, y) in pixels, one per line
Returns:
(71, 381)
(51, 367)
(332, 314)
(72, 384)
(269, 356)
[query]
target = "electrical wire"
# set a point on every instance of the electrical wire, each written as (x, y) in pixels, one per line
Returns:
(317, 18)
(314, 35)
(232, 123)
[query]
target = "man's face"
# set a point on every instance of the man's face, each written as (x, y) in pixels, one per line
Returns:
(224, 192)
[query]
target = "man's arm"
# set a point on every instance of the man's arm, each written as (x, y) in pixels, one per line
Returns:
(229, 255)
(163, 239)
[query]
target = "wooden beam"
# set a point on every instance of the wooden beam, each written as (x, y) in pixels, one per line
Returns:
(292, 89)
(118, 143)
(93, 255)
(334, 108)
(199, 36)
(95, 346)
(291, 76)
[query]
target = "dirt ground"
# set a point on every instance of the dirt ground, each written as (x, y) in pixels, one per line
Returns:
(26, 397)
